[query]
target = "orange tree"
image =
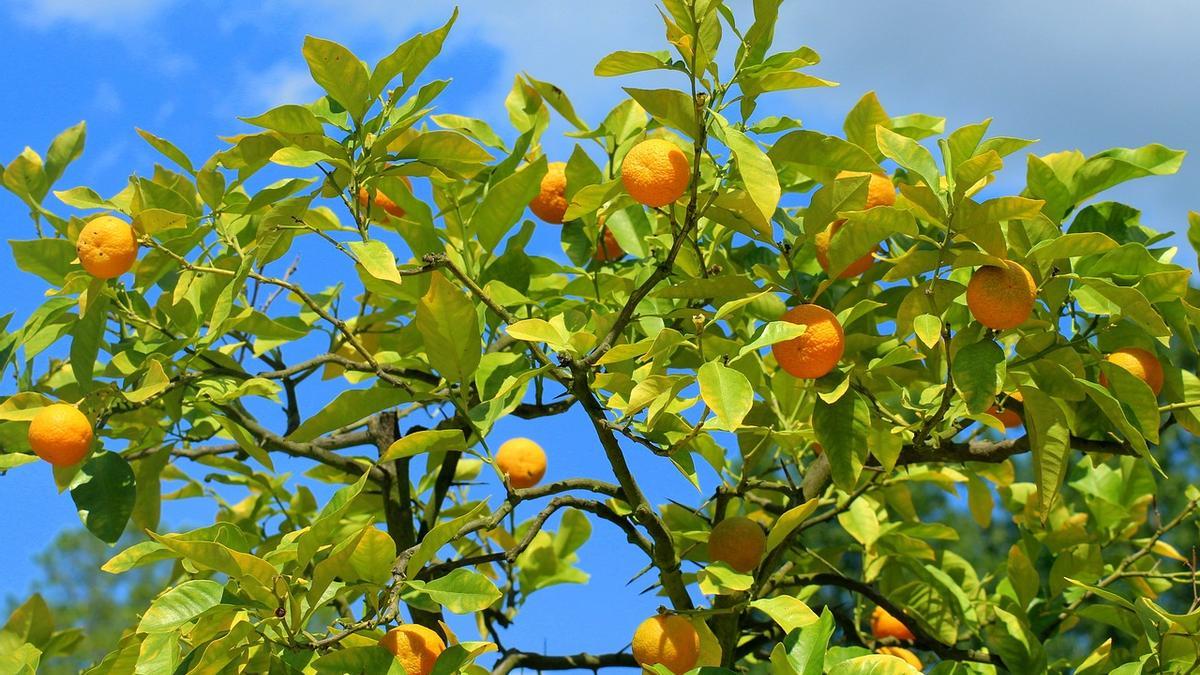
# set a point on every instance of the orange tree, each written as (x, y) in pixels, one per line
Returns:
(925, 319)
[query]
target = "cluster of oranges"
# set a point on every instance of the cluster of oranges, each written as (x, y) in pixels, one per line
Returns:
(655, 173)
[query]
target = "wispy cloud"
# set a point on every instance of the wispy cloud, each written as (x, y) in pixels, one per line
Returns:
(99, 15)
(283, 82)
(106, 99)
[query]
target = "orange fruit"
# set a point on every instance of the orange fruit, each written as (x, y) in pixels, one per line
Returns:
(738, 542)
(822, 240)
(669, 640)
(884, 625)
(383, 201)
(60, 434)
(1008, 416)
(1141, 364)
(1001, 297)
(880, 191)
(656, 172)
(523, 461)
(107, 247)
(550, 204)
(607, 249)
(818, 350)
(415, 647)
(902, 653)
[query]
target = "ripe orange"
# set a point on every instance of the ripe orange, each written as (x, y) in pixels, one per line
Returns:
(884, 625)
(656, 172)
(1001, 297)
(551, 202)
(902, 653)
(1141, 364)
(1008, 416)
(607, 249)
(107, 247)
(415, 647)
(383, 201)
(523, 461)
(738, 542)
(822, 240)
(60, 434)
(669, 640)
(880, 191)
(818, 350)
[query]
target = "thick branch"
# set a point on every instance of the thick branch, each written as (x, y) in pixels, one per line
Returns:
(924, 639)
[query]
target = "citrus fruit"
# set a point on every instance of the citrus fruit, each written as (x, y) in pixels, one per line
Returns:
(550, 204)
(738, 542)
(523, 461)
(60, 434)
(669, 640)
(415, 647)
(656, 172)
(1001, 297)
(107, 247)
(884, 625)
(818, 350)
(1141, 364)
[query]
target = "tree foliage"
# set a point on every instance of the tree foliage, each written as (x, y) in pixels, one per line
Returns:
(864, 478)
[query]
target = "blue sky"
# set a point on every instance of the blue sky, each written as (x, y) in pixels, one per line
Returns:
(1074, 73)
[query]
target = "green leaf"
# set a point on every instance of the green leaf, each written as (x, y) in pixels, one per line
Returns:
(104, 493)
(348, 406)
(820, 155)
(771, 333)
(758, 174)
(727, 392)
(32, 621)
(806, 648)
(340, 73)
(842, 428)
(505, 203)
(559, 101)
(410, 58)
(444, 149)
(49, 259)
(1050, 441)
(789, 521)
(168, 149)
(370, 659)
(670, 106)
(449, 326)
(790, 613)
(373, 556)
(1074, 245)
(179, 605)
(288, 119)
(420, 442)
(874, 664)
(1112, 167)
(220, 558)
(64, 149)
(377, 259)
(538, 330)
(83, 197)
(909, 154)
(978, 373)
(440, 535)
(623, 63)
(462, 591)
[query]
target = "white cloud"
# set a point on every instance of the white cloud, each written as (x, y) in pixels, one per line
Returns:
(107, 99)
(99, 15)
(284, 82)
